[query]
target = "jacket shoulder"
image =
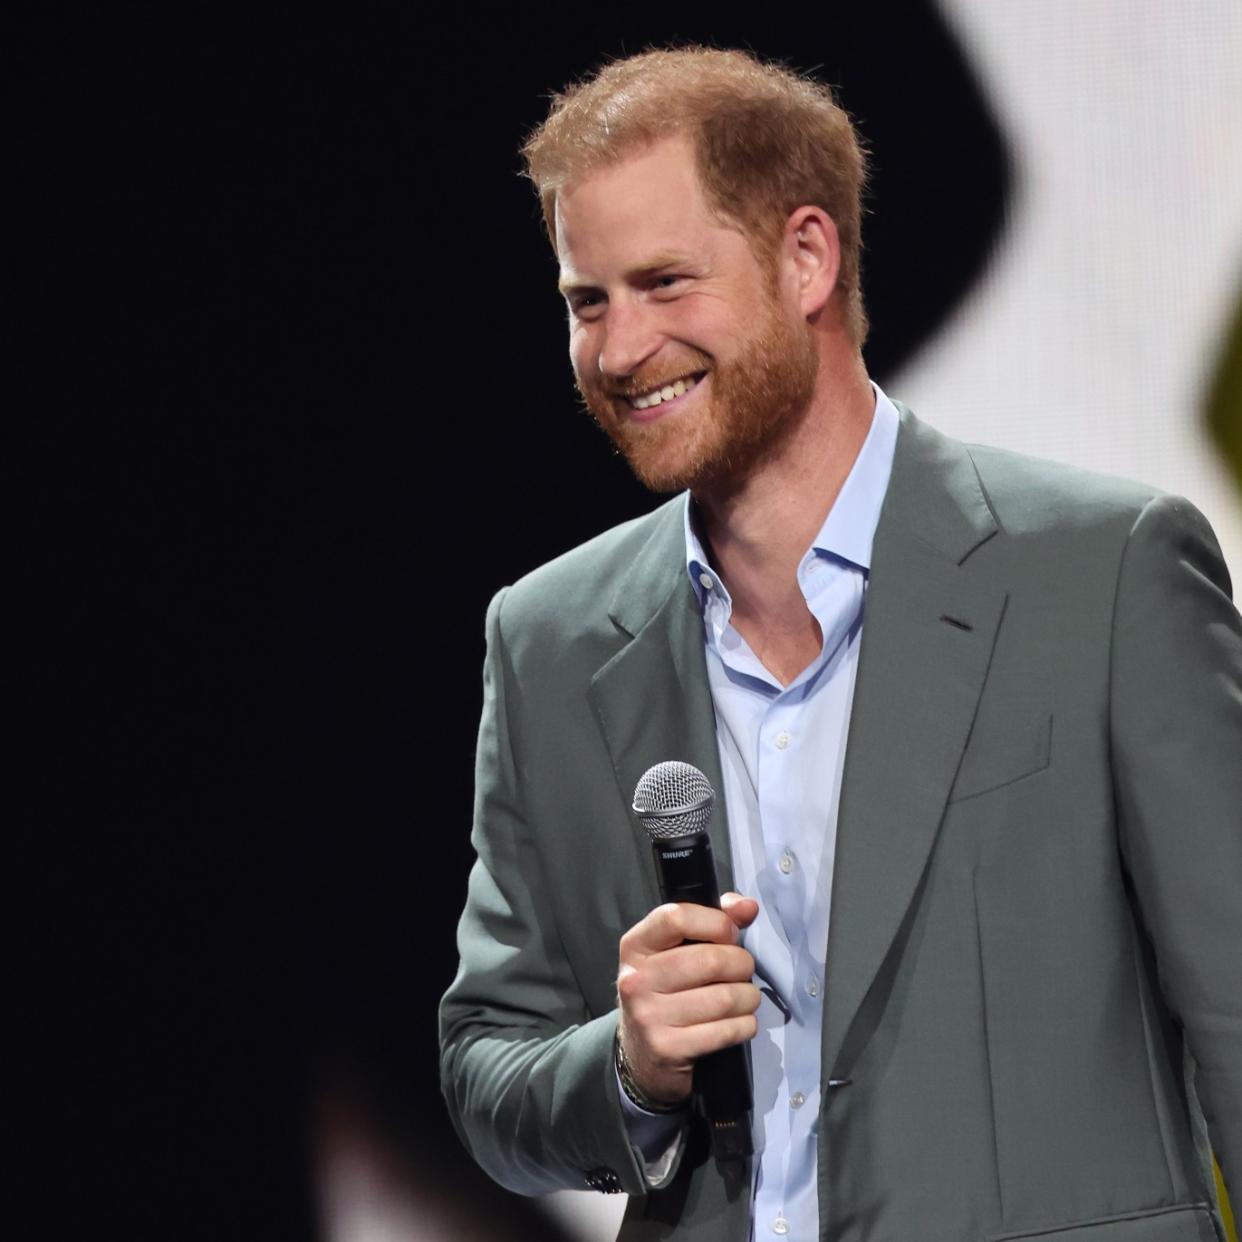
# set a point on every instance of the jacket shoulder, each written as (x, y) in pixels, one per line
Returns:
(579, 586)
(1030, 495)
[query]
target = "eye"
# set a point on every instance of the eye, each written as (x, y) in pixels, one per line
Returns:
(586, 305)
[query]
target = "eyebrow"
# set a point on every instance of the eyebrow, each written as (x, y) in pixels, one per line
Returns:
(653, 267)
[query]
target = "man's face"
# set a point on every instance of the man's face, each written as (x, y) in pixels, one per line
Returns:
(681, 349)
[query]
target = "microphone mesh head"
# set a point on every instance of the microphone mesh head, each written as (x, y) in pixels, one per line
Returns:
(673, 800)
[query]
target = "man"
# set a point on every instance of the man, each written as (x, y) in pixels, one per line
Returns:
(987, 966)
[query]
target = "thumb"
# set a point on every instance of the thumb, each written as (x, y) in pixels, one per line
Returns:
(742, 910)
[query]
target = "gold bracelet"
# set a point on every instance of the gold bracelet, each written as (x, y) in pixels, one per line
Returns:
(635, 1093)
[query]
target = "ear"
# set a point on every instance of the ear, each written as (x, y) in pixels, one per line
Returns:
(812, 252)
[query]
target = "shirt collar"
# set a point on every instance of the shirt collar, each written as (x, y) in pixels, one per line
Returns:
(849, 529)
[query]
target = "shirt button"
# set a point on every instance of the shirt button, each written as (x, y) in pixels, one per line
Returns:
(707, 581)
(812, 986)
(797, 1100)
(786, 863)
(782, 739)
(780, 1225)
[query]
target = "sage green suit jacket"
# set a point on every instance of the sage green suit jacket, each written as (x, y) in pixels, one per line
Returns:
(1034, 968)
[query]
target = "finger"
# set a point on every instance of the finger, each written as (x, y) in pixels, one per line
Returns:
(653, 1011)
(713, 1003)
(677, 1044)
(742, 910)
(674, 923)
(697, 965)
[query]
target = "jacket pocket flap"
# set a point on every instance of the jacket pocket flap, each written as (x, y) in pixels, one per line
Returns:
(1189, 1222)
(1000, 758)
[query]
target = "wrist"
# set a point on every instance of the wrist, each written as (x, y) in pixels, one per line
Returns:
(635, 1093)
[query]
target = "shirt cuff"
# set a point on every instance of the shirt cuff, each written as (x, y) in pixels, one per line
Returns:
(658, 1139)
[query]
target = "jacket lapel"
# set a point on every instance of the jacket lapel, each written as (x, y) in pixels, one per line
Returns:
(928, 632)
(653, 703)
(652, 699)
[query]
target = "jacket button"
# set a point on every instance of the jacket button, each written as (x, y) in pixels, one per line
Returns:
(604, 1180)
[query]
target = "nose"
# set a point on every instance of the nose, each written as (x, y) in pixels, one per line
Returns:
(630, 338)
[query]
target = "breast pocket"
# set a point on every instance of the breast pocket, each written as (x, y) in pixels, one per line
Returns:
(1177, 1223)
(1001, 754)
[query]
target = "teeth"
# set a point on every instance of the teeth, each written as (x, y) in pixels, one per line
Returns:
(667, 393)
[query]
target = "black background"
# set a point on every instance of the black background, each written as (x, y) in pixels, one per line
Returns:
(292, 368)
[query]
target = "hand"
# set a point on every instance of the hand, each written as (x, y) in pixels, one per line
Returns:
(679, 1001)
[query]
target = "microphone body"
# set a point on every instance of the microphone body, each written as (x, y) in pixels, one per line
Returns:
(686, 871)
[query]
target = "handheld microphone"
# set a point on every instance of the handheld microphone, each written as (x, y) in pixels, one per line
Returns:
(673, 802)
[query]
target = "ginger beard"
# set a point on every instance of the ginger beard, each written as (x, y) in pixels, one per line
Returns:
(749, 406)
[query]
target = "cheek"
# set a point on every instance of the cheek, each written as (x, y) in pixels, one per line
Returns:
(706, 327)
(583, 356)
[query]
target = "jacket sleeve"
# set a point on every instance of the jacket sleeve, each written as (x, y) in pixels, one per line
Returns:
(1176, 721)
(527, 1074)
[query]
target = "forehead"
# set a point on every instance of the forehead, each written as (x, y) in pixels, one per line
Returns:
(648, 202)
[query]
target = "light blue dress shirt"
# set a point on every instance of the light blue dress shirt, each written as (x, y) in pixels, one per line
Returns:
(782, 752)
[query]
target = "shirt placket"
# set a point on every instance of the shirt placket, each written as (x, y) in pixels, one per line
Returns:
(777, 779)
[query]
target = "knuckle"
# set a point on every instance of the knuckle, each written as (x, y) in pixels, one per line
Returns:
(629, 984)
(707, 1006)
(684, 965)
(638, 940)
(638, 1013)
(660, 1044)
(720, 1008)
(674, 918)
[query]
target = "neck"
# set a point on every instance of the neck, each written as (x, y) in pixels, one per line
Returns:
(759, 530)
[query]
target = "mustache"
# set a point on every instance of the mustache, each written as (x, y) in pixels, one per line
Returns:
(630, 386)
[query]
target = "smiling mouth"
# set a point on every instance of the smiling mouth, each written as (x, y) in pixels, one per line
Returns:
(666, 392)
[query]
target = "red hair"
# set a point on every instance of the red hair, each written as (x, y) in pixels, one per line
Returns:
(766, 142)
